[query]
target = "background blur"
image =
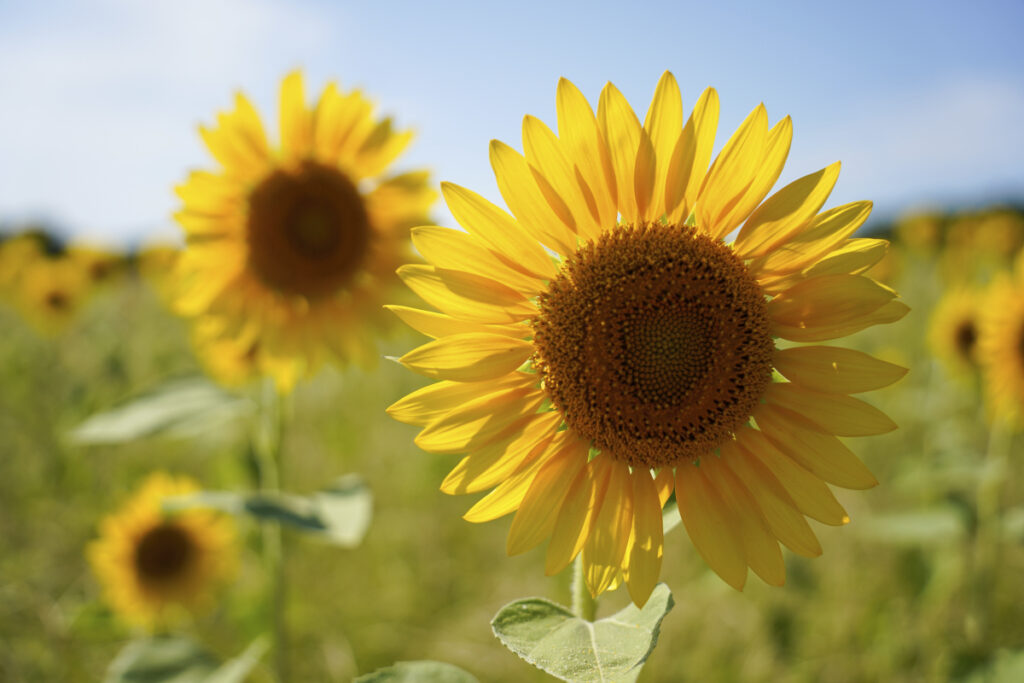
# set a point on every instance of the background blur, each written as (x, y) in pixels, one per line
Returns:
(99, 107)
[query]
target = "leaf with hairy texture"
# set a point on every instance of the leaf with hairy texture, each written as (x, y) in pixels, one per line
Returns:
(609, 650)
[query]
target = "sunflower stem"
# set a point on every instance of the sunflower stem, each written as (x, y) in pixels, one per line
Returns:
(584, 605)
(268, 450)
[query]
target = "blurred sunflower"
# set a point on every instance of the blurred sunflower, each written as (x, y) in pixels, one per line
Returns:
(101, 266)
(296, 247)
(156, 566)
(1001, 345)
(235, 361)
(155, 264)
(16, 255)
(586, 388)
(51, 292)
(953, 330)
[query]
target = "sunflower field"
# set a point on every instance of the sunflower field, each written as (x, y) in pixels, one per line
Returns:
(658, 417)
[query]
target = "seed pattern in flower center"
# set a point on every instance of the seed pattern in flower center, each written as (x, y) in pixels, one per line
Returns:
(654, 343)
(163, 553)
(308, 230)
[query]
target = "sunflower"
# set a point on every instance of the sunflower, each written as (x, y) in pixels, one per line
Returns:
(1001, 345)
(641, 360)
(235, 361)
(155, 565)
(296, 246)
(51, 292)
(953, 330)
(101, 266)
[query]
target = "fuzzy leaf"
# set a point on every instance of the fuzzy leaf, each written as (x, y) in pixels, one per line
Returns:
(180, 408)
(340, 514)
(551, 638)
(418, 672)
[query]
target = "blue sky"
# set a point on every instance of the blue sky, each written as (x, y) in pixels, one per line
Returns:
(99, 100)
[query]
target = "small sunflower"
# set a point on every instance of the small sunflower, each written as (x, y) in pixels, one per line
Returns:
(953, 330)
(101, 266)
(155, 565)
(1001, 345)
(296, 247)
(641, 359)
(51, 292)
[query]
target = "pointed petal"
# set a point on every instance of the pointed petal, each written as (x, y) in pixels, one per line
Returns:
(830, 369)
(577, 515)
(535, 519)
(646, 551)
(709, 525)
(468, 357)
(604, 550)
(829, 413)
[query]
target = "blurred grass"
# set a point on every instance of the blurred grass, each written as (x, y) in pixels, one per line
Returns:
(932, 607)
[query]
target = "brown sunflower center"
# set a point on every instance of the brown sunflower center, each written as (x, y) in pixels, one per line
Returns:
(965, 336)
(57, 300)
(163, 552)
(308, 230)
(654, 343)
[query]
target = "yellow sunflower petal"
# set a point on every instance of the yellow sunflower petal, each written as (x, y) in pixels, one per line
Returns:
(830, 369)
(544, 153)
(888, 313)
(709, 525)
(428, 403)
(646, 551)
(480, 421)
(439, 325)
(487, 467)
(732, 172)
(535, 519)
(809, 493)
(827, 231)
(776, 150)
(690, 157)
(663, 124)
(622, 133)
(821, 454)
(495, 227)
(780, 512)
(785, 213)
(854, 256)
(830, 413)
(466, 296)
(760, 548)
(576, 517)
(828, 300)
(456, 250)
(507, 497)
(296, 121)
(604, 549)
(528, 203)
(586, 149)
(468, 357)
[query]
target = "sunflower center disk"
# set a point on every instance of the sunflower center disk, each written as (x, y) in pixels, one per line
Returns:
(965, 338)
(308, 231)
(654, 343)
(163, 552)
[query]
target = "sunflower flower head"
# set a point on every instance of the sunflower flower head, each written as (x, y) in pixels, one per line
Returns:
(155, 566)
(1001, 346)
(953, 330)
(295, 246)
(642, 359)
(50, 293)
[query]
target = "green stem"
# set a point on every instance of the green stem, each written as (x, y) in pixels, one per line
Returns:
(268, 451)
(584, 605)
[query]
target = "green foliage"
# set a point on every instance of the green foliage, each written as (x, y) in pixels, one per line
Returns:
(551, 638)
(340, 514)
(168, 659)
(180, 408)
(418, 672)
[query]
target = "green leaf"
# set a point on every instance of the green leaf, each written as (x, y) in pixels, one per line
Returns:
(162, 660)
(340, 514)
(418, 672)
(173, 659)
(548, 636)
(237, 669)
(931, 526)
(180, 408)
